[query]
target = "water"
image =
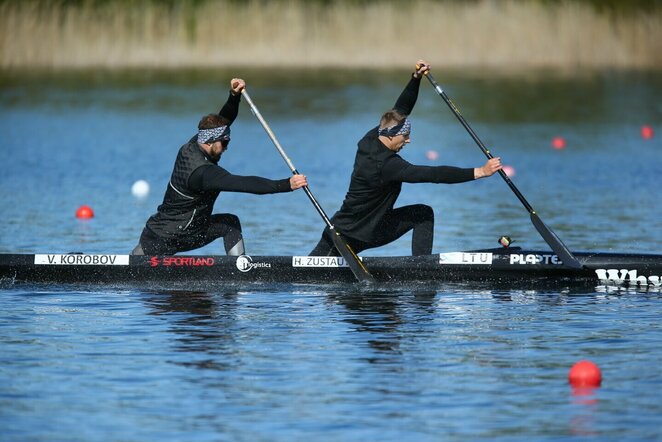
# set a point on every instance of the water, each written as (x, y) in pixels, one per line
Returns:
(329, 363)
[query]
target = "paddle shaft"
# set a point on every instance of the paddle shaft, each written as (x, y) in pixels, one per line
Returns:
(294, 170)
(548, 235)
(353, 261)
(480, 144)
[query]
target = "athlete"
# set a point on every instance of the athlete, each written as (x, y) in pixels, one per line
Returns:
(184, 220)
(367, 218)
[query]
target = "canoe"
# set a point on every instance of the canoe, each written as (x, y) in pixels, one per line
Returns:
(490, 267)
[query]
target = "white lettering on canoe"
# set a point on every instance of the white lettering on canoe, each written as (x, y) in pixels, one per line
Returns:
(82, 260)
(245, 264)
(318, 261)
(625, 276)
(534, 259)
(465, 258)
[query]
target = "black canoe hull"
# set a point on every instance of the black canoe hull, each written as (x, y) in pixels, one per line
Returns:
(493, 266)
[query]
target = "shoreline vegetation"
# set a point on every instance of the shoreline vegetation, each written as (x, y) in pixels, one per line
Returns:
(495, 34)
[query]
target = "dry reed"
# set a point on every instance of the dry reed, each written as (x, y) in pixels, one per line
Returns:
(501, 34)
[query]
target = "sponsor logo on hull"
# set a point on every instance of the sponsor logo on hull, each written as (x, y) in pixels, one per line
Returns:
(182, 261)
(466, 258)
(245, 264)
(82, 260)
(318, 261)
(534, 259)
(625, 276)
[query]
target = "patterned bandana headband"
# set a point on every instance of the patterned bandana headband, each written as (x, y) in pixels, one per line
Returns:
(404, 127)
(213, 135)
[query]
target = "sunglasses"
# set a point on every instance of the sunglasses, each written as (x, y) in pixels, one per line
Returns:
(225, 140)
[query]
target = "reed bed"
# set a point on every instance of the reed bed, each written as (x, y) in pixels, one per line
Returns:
(296, 33)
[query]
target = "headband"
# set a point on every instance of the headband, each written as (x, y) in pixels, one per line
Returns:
(404, 127)
(214, 134)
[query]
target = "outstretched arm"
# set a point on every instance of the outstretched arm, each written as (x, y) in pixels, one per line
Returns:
(214, 178)
(398, 170)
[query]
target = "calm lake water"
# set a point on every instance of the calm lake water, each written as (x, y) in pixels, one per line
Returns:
(449, 362)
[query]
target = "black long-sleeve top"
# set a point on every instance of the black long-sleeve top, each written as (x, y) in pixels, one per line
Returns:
(195, 184)
(230, 109)
(215, 178)
(378, 176)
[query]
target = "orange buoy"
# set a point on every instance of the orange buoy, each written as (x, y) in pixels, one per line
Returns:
(585, 374)
(84, 212)
(558, 143)
(647, 132)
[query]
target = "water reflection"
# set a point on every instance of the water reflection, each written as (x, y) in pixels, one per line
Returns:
(381, 315)
(211, 323)
(585, 410)
(202, 322)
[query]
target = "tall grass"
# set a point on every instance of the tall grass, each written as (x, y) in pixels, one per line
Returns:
(296, 33)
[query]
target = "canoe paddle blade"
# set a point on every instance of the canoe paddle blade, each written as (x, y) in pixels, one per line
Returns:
(352, 260)
(555, 243)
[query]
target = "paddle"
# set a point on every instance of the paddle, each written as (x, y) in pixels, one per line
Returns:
(353, 261)
(548, 235)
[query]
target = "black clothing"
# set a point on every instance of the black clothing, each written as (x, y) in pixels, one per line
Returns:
(367, 214)
(417, 217)
(195, 184)
(224, 225)
(184, 220)
(230, 109)
(185, 211)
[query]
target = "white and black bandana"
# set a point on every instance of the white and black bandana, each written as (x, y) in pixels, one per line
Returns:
(404, 127)
(213, 135)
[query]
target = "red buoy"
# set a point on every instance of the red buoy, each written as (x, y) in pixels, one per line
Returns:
(558, 143)
(84, 212)
(585, 374)
(647, 132)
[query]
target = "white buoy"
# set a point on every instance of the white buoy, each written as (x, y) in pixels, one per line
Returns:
(140, 189)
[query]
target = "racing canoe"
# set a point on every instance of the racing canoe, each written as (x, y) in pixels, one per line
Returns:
(503, 266)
